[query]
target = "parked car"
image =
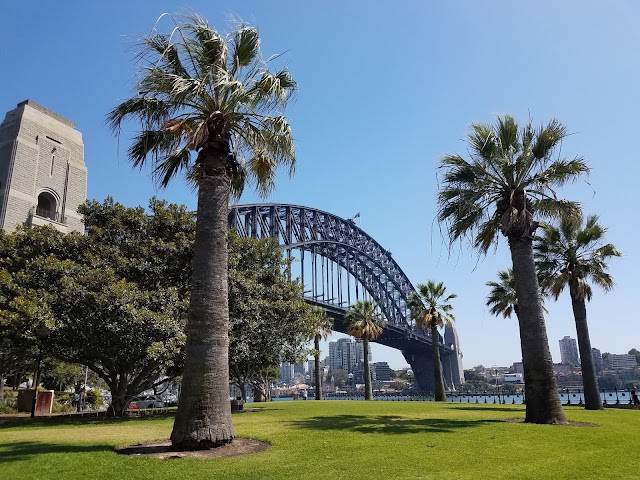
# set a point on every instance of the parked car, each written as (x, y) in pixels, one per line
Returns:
(150, 401)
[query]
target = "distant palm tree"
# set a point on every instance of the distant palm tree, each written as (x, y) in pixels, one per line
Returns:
(570, 255)
(208, 106)
(510, 178)
(430, 308)
(502, 297)
(363, 321)
(325, 327)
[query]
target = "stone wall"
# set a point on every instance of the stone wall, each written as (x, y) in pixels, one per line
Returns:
(40, 152)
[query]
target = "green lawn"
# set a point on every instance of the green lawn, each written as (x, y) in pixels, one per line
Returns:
(343, 440)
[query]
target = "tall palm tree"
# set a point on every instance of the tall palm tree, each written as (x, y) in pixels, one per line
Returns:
(208, 106)
(507, 180)
(430, 308)
(363, 321)
(325, 327)
(571, 255)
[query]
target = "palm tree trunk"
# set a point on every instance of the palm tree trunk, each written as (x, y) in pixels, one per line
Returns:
(440, 395)
(592, 400)
(316, 344)
(368, 393)
(203, 419)
(541, 390)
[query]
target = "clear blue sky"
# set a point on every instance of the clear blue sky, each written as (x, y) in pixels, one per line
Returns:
(385, 90)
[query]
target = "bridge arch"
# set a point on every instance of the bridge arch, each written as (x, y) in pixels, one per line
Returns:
(338, 240)
(371, 267)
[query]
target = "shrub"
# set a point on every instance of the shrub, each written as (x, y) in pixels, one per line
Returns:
(94, 398)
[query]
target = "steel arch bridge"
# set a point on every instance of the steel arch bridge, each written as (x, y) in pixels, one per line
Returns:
(338, 264)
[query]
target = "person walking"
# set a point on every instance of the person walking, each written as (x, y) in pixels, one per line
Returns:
(634, 398)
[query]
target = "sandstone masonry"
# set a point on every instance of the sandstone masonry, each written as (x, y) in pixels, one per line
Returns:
(43, 177)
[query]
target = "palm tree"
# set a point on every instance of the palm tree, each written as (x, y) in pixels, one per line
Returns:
(502, 297)
(430, 308)
(324, 330)
(508, 180)
(363, 321)
(208, 106)
(570, 255)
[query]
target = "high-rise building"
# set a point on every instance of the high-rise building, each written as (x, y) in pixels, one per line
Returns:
(286, 372)
(311, 368)
(383, 372)
(619, 362)
(569, 351)
(345, 354)
(43, 177)
(598, 364)
(335, 360)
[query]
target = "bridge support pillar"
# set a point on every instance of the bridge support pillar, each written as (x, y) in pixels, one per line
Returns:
(422, 366)
(452, 369)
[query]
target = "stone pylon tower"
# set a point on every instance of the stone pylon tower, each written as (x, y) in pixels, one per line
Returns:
(43, 178)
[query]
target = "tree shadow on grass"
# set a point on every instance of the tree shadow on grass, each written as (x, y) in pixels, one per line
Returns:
(20, 451)
(490, 409)
(39, 422)
(387, 424)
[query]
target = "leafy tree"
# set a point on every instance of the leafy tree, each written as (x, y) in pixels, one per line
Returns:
(269, 319)
(610, 381)
(571, 255)
(510, 178)
(59, 375)
(108, 299)
(363, 321)
(430, 308)
(636, 353)
(208, 105)
(472, 375)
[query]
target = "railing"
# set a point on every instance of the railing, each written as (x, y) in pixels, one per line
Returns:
(567, 397)
(48, 214)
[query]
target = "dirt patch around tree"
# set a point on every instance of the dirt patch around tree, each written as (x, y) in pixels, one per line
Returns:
(162, 450)
(568, 424)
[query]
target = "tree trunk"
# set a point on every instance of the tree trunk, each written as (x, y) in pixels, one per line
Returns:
(203, 419)
(36, 381)
(541, 391)
(592, 400)
(368, 393)
(440, 395)
(243, 390)
(118, 389)
(316, 342)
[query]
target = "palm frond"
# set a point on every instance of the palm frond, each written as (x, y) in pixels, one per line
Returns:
(190, 95)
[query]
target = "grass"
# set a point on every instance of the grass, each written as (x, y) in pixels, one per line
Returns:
(343, 439)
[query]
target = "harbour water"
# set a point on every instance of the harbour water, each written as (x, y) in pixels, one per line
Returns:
(566, 397)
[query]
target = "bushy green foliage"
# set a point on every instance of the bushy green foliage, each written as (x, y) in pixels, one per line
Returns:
(116, 299)
(268, 318)
(94, 398)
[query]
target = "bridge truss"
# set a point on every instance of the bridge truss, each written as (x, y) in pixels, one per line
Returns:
(339, 263)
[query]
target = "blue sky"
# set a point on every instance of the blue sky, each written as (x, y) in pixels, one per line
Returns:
(386, 89)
